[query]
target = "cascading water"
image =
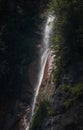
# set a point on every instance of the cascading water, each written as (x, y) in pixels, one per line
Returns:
(44, 56)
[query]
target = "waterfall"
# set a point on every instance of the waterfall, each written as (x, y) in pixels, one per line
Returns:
(44, 56)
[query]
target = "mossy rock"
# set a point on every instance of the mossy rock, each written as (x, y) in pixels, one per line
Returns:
(75, 91)
(39, 116)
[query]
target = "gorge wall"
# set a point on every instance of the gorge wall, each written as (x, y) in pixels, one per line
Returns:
(20, 39)
(63, 109)
(60, 101)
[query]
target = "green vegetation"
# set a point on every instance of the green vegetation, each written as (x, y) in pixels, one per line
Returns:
(66, 88)
(41, 113)
(68, 102)
(39, 116)
(75, 92)
(67, 40)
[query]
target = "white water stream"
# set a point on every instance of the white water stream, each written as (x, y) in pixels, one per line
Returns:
(44, 56)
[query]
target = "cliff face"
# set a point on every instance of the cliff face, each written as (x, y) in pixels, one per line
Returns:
(67, 101)
(19, 59)
(64, 108)
(63, 105)
(67, 106)
(20, 37)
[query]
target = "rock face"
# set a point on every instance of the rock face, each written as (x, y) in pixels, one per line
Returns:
(68, 120)
(19, 36)
(19, 23)
(47, 86)
(66, 116)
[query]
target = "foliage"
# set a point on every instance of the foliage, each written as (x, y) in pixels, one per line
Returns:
(43, 110)
(39, 116)
(66, 32)
(68, 102)
(75, 91)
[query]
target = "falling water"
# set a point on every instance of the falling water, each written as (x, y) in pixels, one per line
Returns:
(44, 56)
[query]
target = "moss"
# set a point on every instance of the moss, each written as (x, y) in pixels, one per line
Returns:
(39, 116)
(68, 102)
(51, 110)
(75, 92)
(66, 88)
(42, 112)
